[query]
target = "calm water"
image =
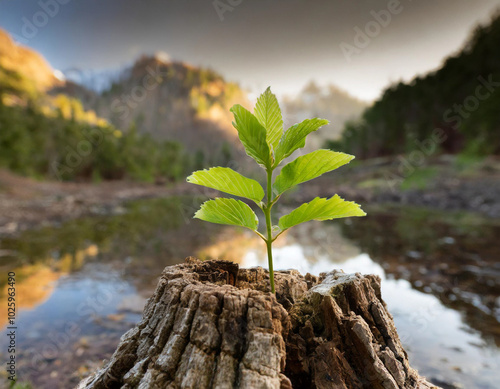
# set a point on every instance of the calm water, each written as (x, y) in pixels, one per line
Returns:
(82, 284)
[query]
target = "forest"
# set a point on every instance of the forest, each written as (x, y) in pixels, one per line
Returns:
(461, 99)
(55, 137)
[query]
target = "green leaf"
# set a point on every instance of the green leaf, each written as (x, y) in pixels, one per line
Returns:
(268, 113)
(307, 167)
(252, 135)
(228, 181)
(228, 211)
(295, 137)
(321, 209)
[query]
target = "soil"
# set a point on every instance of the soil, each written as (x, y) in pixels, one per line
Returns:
(442, 183)
(26, 203)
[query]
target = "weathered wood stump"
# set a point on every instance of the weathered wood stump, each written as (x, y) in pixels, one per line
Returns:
(212, 325)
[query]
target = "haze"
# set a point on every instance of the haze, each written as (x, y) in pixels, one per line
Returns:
(283, 43)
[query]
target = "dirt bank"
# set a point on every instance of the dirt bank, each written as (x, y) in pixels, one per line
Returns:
(26, 203)
(443, 183)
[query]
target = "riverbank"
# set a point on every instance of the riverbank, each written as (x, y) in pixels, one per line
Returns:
(448, 183)
(26, 204)
(444, 183)
(439, 271)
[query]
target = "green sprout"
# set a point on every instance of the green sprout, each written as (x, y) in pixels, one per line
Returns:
(265, 141)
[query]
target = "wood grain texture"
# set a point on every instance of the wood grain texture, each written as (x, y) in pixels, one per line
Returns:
(212, 325)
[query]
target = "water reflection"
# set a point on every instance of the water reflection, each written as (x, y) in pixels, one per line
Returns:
(439, 342)
(36, 282)
(82, 285)
(452, 256)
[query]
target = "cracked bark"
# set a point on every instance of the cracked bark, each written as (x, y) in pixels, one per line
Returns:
(212, 325)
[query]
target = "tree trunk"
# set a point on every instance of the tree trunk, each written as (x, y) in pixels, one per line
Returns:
(212, 325)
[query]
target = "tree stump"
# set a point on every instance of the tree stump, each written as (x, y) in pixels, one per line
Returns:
(210, 324)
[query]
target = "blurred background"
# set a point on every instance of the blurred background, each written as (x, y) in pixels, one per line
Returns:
(106, 107)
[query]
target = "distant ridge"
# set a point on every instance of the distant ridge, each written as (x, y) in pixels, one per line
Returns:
(324, 101)
(26, 62)
(168, 100)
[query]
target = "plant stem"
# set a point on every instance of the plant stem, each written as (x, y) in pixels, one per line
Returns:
(269, 240)
(270, 260)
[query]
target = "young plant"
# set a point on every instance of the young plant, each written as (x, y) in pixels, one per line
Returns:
(262, 136)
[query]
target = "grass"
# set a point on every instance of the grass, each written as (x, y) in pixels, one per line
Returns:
(420, 178)
(466, 164)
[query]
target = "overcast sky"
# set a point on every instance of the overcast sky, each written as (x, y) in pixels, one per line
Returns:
(282, 43)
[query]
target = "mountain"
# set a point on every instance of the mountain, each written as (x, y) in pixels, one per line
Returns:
(47, 134)
(27, 63)
(328, 102)
(454, 109)
(154, 120)
(167, 100)
(164, 98)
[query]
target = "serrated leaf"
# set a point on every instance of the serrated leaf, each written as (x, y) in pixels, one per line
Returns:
(295, 137)
(307, 167)
(321, 209)
(252, 134)
(268, 113)
(228, 211)
(228, 181)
